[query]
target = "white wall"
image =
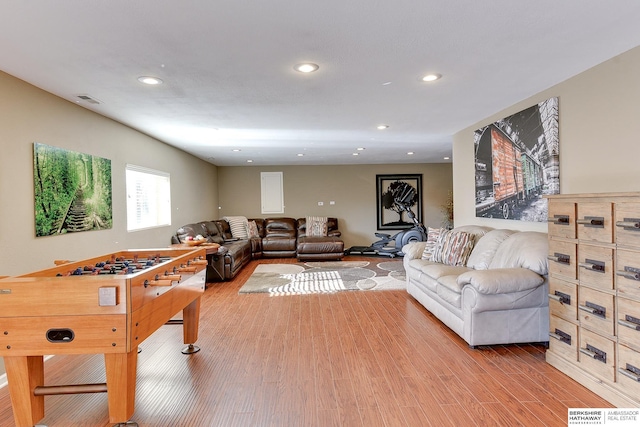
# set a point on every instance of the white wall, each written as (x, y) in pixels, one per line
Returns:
(351, 187)
(30, 115)
(599, 129)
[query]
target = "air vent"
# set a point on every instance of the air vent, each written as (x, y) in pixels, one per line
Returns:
(88, 99)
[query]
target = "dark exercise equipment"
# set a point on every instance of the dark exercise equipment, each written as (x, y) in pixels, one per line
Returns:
(389, 245)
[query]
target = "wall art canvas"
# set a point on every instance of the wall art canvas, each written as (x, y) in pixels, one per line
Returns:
(406, 188)
(517, 162)
(72, 191)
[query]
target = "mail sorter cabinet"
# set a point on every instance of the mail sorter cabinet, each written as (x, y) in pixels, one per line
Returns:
(594, 292)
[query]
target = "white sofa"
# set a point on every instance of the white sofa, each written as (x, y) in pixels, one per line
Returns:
(499, 297)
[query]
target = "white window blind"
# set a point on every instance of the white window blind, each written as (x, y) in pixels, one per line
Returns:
(148, 198)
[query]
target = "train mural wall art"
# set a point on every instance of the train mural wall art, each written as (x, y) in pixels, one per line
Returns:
(516, 163)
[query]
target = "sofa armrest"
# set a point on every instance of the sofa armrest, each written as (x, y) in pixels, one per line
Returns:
(501, 280)
(413, 250)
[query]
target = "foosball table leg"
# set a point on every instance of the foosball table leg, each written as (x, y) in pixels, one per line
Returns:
(190, 318)
(121, 384)
(24, 374)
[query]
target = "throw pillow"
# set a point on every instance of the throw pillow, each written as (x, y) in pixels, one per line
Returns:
(252, 229)
(238, 226)
(453, 247)
(432, 240)
(316, 226)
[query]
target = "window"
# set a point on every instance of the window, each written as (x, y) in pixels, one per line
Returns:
(148, 198)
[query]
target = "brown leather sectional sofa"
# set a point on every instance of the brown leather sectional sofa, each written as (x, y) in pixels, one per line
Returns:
(281, 237)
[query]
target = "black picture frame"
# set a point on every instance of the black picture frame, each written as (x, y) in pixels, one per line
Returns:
(389, 218)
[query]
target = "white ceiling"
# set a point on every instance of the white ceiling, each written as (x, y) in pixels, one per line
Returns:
(229, 82)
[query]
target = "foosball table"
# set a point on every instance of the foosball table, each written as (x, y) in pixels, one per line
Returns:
(108, 304)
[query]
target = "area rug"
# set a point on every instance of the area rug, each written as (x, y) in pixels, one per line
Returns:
(325, 277)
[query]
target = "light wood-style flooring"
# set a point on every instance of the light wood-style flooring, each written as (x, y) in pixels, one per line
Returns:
(345, 359)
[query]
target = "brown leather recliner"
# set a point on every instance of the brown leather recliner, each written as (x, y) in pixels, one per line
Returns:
(319, 248)
(280, 238)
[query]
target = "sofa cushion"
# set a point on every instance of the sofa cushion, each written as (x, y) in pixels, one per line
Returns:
(449, 290)
(477, 230)
(486, 248)
(252, 229)
(238, 225)
(436, 270)
(316, 226)
(453, 247)
(432, 240)
(527, 249)
(280, 227)
(501, 280)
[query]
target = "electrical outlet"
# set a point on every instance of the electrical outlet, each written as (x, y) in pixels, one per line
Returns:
(320, 203)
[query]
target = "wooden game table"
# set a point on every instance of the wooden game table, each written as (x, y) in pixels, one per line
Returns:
(109, 305)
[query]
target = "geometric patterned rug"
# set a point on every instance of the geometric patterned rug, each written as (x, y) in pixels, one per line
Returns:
(325, 277)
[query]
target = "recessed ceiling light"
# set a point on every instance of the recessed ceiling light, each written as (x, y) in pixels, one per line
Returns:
(306, 67)
(360, 148)
(383, 127)
(386, 83)
(236, 150)
(410, 153)
(300, 154)
(149, 80)
(249, 161)
(447, 158)
(431, 77)
(355, 154)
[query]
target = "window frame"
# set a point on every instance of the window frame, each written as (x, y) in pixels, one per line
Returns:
(154, 180)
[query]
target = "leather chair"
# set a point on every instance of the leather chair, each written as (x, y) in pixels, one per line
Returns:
(280, 238)
(319, 248)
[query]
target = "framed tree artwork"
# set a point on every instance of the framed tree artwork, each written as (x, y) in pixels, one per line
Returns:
(72, 191)
(392, 188)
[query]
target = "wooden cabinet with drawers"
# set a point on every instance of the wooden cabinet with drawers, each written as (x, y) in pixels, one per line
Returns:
(594, 292)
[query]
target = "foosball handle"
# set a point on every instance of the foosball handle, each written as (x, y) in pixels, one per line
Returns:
(157, 283)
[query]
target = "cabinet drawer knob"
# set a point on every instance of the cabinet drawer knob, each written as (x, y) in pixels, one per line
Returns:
(560, 336)
(628, 274)
(596, 266)
(559, 219)
(629, 224)
(630, 325)
(591, 221)
(561, 258)
(562, 298)
(629, 374)
(594, 309)
(587, 309)
(589, 353)
(594, 353)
